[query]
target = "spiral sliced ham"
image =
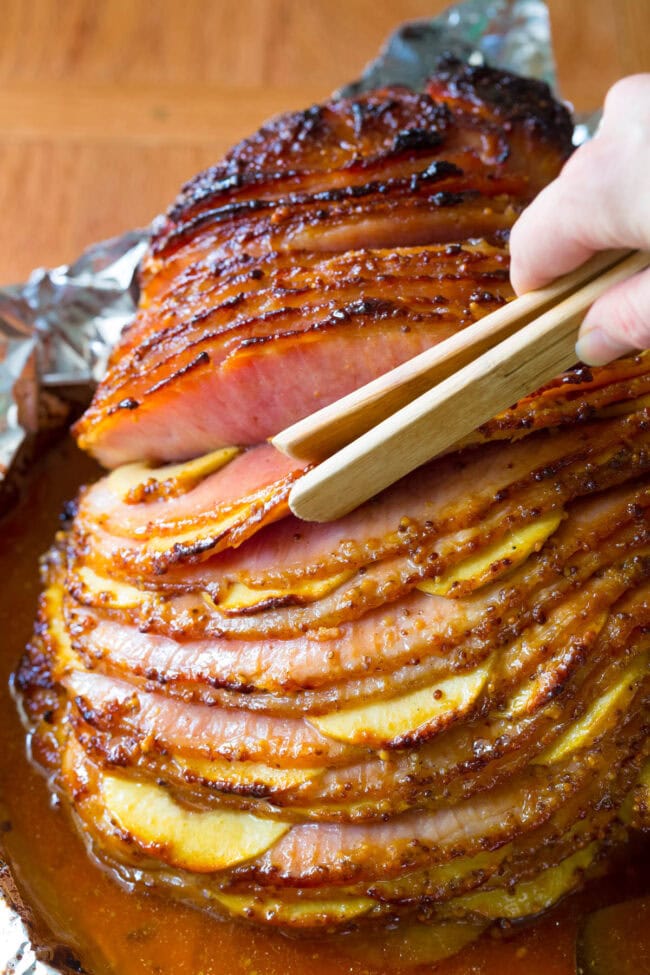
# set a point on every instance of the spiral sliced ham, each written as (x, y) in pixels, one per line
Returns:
(226, 326)
(436, 707)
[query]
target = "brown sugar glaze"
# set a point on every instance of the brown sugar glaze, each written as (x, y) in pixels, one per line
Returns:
(111, 930)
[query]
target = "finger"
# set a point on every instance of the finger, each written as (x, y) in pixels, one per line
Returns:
(572, 218)
(619, 322)
(545, 242)
(627, 102)
(591, 205)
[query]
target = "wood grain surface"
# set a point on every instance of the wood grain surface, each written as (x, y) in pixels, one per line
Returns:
(107, 106)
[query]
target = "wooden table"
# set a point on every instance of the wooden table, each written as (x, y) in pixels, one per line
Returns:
(107, 106)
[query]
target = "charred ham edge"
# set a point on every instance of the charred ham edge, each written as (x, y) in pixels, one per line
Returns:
(246, 285)
(452, 173)
(388, 125)
(573, 809)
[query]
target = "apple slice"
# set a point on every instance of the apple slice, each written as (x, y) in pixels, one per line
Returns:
(603, 713)
(196, 840)
(507, 552)
(109, 592)
(242, 598)
(244, 774)
(530, 896)
(296, 912)
(391, 721)
(137, 483)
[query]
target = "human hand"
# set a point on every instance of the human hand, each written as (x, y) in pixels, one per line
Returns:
(600, 200)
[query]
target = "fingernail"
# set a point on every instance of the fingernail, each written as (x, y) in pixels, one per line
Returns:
(596, 347)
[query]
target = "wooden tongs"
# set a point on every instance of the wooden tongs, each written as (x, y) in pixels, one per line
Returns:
(367, 440)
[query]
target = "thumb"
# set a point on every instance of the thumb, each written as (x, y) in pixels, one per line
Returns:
(617, 323)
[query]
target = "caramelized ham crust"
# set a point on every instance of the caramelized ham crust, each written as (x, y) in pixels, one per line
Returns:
(434, 708)
(294, 272)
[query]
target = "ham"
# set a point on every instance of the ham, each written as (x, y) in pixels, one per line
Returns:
(436, 179)
(504, 482)
(436, 707)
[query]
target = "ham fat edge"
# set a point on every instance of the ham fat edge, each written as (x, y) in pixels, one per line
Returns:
(433, 709)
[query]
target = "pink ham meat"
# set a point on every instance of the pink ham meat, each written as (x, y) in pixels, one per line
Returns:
(221, 511)
(193, 728)
(382, 638)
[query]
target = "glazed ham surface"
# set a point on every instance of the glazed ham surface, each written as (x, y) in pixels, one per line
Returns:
(433, 708)
(294, 271)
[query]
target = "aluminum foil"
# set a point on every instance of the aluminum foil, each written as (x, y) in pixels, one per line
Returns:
(510, 34)
(57, 330)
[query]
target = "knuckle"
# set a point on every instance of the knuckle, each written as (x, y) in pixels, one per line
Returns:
(628, 98)
(590, 167)
(594, 204)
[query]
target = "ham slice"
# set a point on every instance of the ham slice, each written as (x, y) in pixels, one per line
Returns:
(310, 855)
(502, 481)
(210, 732)
(420, 638)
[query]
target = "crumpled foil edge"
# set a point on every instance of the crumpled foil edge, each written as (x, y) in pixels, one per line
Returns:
(56, 333)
